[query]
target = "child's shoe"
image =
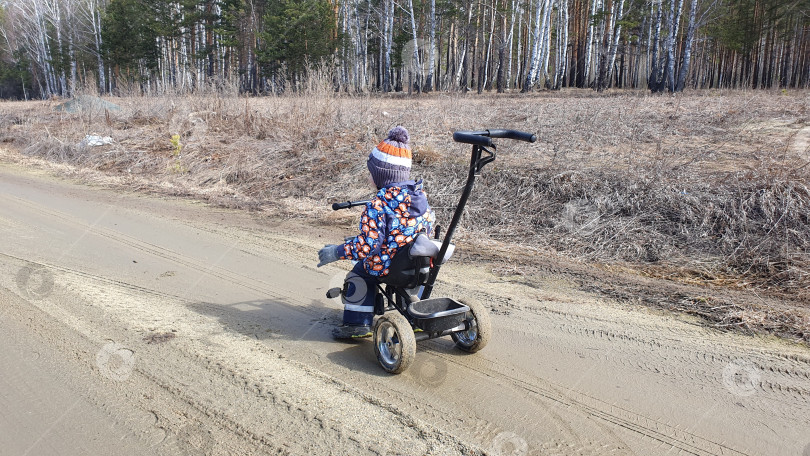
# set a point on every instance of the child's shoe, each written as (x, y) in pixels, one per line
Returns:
(343, 332)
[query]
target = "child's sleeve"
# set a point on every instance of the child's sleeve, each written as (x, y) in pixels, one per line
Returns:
(372, 234)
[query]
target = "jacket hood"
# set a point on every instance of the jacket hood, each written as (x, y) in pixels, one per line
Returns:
(419, 204)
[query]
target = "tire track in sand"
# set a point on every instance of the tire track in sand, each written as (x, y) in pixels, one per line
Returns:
(641, 424)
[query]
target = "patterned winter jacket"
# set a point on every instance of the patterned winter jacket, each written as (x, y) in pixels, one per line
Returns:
(391, 220)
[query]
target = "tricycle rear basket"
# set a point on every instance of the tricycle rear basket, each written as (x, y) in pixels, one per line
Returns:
(437, 314)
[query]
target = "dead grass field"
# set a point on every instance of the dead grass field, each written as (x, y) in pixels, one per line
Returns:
(704, 188)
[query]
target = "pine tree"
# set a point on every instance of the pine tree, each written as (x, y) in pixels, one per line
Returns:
(297, 33)
(130, 32)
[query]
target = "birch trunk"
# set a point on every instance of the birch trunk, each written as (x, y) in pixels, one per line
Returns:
(484, 75)
(461, 75)
(586, 76)
(42, 49)
(510, 44)
(534, 60)
(95, 19)
(521, 63)
(70, 22)
(654, 80)
(56, 21)
(545, 34)
(504, 42)
(562, 53)
(432, 43)
(350, 55)
(365, 38)
(673, 21)
(388, 22)
(687, 48)
(614, 45)
(416, 69)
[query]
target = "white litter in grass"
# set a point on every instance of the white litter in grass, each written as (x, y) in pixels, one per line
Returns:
(95, 140)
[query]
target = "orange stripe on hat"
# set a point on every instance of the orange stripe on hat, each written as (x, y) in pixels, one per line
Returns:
(390, 149)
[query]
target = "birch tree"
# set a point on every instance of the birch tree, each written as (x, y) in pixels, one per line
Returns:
(654, 77)
(432, 44)
(545, 34)
(687, 47)
(614, 29)
(89, 14)
(515, 7)
(561, 55)
(29, 17)
(162, 45)
(416, 64)
(387, 18)
(537, 40)
(673, 21)
(589, 43)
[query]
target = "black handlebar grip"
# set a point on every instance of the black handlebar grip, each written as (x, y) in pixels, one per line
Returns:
(339, 206)
(522, 136)
(468, 137)
(512, 134)
(348, 204)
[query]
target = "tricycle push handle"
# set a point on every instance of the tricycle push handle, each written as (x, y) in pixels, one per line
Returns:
(483, 152)
(484, 137)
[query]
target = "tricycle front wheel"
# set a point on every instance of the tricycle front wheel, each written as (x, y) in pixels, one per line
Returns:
(394, 342)
(479, 328)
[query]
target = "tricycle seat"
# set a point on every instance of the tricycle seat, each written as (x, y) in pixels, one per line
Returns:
(410, 267)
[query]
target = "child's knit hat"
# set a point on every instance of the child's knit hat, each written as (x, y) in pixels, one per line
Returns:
(390, 161)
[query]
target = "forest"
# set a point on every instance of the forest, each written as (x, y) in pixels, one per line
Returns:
(58, 47)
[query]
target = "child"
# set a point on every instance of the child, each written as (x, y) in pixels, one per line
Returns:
(390, 221)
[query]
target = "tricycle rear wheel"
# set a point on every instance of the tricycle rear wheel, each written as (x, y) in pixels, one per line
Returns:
(479, 328)
(394, 342)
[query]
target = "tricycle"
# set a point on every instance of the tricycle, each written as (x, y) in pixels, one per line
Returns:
(406, 312)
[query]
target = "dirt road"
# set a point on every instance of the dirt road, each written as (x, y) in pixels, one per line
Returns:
(132, 324)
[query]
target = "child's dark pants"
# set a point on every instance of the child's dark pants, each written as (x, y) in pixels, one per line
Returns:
(359, 298)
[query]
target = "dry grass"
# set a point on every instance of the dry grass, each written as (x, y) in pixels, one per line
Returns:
(707, 187)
